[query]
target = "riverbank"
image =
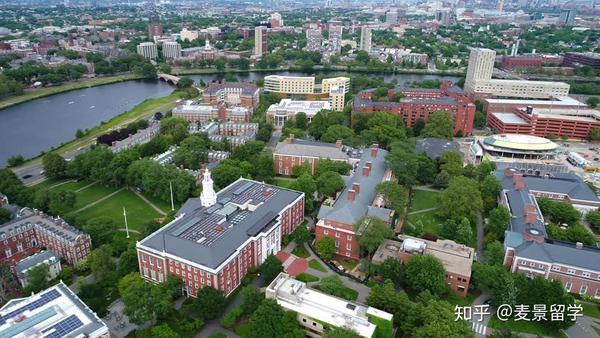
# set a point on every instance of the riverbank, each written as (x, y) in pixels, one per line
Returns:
(336, 69)
(33, 94)
(143, 110)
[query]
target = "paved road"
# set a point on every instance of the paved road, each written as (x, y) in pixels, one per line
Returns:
(583, 328)
(32, 174)
(480, 327)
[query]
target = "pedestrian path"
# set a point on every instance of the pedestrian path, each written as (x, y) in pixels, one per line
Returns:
(152, 205)
(98, 201)
(478, 328)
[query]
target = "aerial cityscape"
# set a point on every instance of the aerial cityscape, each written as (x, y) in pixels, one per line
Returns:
(291, 169)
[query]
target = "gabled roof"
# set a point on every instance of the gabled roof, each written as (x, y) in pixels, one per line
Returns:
(310, 148)
(561, 253)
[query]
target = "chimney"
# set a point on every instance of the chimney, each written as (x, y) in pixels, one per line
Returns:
(579, 245)
(290, 138)
(338, 143)
(366, 171)
(374, 149)
(356, 187)
(351, 195)
(531, 218)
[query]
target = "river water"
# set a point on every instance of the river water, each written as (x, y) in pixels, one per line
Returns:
(35, 126)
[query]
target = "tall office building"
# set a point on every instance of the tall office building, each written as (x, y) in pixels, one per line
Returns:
(481, 67)
(148, 50)
(391, 17)
(314, 39)
(260, 40)
(154, 29)
(500, 5)
(171, 50)
(365, 38)
(335, 37)
(567, 17)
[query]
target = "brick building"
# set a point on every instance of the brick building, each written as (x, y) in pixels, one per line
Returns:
(31, 230)
(582, 59)
(294, 153)
(215, 239)
(243, 94)
(357, 200)
(575, 124)
(528, 250)
(419, 103)
(512, 62)
(457, 259)
(509, 105)
(194, 112)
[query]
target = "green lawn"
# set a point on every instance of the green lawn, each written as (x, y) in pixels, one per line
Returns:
(431, 224)
(91, 192)
(307, 277)
(242, 330)
(300, 251)
(423, 200)
(283, 183)
(455, 299)
(165, 206)
(46, 184)
(138, 212)
(591, 310)
(535, 328)
(313, 263)
(348, 265)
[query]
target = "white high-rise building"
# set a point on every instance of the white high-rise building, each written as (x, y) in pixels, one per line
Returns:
(208, 197)
(171, 50)
(260, 40)
(314, 39)
(365, 38)
(148, 50)
(479, 82)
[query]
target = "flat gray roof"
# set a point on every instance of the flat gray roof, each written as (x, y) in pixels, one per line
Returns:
(434, 147)
(510, 118)
(310, 148)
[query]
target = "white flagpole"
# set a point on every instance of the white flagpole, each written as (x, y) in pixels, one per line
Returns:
(126, 226)
(171, 188)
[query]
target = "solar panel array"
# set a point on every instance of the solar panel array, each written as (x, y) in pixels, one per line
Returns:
(43, 300)
(64, 327)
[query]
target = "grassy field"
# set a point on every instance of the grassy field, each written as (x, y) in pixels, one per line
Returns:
(307, 277)
(423, 200)
(534, 328)
(313, 263)
(455, 299)
(47, 91)
(283, 183)
(138, 212)
(300, 251)
(591, 310)
(431, 223)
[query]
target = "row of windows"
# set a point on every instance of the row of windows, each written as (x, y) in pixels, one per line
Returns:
(337, 234)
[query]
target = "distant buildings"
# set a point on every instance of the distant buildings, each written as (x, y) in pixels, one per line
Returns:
(275, 20)
(335, 38)
(365, 38)
(31, 230)
(509, 105)
(142, 136)
(567, 17)
(187, 35)
(46, 257)
(286, 109)
(572, 123)
(293, 152)
(244, 94)
(54, 312)
(420, 103)
(528, 250)
(196, 112)
(171, 50)
(314, 39)
(435, 147)
(479, 82)
(391, 17)
(316, 311)
(515, 146)
(236, 133)
(215, 239)
(148, 50)
(356, 201)
(525, 61)
(289, 84)
(154, 30)
(582, 59)
(457, 259)
(260, 40)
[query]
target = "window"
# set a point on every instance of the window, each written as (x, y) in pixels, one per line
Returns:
(556, 268)
(337, 244)
(348, 246)
(325, 232)
(586, 274)
(19, 248)
(8, 252)
(583, 289)
(571, 271)
(349, 237)
(337, 234)
(597, 293)
(568, 286)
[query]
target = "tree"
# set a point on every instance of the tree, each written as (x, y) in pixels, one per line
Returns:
(442, 179)
(336, 132)
(403, 161)
(136, 297)
(270, 321)
(394, 196)
(79, 133)
(325, 247)
(439, 125)
(498, 221)
(371, 232)
(301, 121)
(102, 265)
(306, 184)
(593, 217)
(209, 303)
(301, 234)
(128, 261)
(384, 296)
(332, 285)
(451, 162)
(559, 212)
(60, 201)
(490, 188)
(391, 269)
(270, 268)
(461, 199)
(55, 166)
(435, 319)
(464, 232)
(593, 101)
(326, 165)
(425, 272)
(37, 278)
(15, 161)
(594, 134)
(494, 253)
(192, 152)
(252, 298)
(329, 183)
(163, 331)
(101, 229)
(340, 332)
(185, 82)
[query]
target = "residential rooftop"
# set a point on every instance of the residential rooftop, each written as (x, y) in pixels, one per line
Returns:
(511, 118)
(300, 147)
(209, 235)
(28, 218)
(434, 147)
(244, 88)
(294, 295)
(43, 257)
(561, 253)
(53, 313)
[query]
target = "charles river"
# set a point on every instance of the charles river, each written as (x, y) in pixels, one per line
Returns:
(35, 126)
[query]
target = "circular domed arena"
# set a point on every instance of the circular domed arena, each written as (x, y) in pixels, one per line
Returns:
(519, 146)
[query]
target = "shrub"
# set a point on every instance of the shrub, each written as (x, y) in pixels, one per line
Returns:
(231, 317)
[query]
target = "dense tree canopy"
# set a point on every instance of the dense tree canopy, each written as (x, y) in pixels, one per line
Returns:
(461, 199)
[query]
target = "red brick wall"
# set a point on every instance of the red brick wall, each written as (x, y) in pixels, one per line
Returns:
(284, 164)
(343, 234)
